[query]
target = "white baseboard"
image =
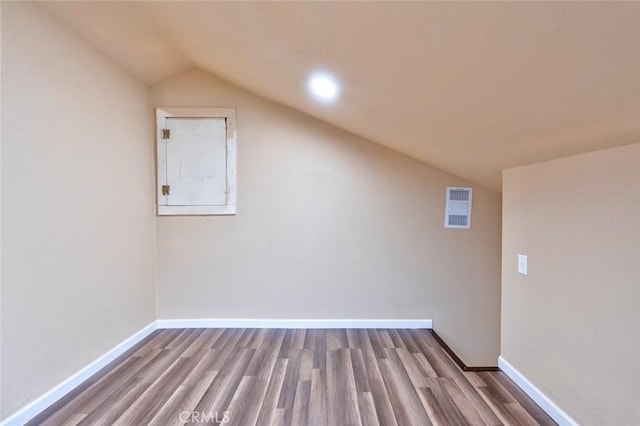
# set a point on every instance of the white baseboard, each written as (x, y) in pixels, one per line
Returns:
(34, 408)
(37, 406)
(555, 412)
(292, 323)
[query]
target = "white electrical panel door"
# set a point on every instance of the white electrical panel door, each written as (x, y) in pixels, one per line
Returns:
(196, 162)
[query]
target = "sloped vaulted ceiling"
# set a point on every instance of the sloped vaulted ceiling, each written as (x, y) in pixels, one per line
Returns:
(470, 88)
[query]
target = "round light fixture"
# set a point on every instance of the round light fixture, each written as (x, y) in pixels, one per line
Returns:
(323, 87)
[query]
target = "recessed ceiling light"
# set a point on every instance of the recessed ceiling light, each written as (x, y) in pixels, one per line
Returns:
(323, 87)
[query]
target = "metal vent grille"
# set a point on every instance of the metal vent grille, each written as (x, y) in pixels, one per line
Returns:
(458, 208)
(459, 194)
(456, 219)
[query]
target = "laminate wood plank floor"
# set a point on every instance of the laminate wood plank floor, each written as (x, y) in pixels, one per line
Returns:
(292, 377)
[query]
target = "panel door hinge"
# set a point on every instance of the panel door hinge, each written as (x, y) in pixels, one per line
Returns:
(166, 133)
(166, 189)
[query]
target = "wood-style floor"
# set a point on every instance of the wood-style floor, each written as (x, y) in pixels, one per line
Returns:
(292, 377)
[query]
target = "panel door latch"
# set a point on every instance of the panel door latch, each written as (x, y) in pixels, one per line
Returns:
(166, 189)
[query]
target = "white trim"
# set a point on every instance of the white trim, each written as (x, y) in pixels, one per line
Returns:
(196, 210)
(43, 402)
(555, 412)
(292, 323)
(188, 112)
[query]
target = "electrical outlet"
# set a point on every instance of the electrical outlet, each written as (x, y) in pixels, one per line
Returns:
(522, 264)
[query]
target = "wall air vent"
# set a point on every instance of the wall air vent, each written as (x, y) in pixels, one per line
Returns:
(458, 208)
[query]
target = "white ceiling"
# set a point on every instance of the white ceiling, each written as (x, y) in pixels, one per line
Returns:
(470, 88)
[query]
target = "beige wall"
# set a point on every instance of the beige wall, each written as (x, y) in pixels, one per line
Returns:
(77, 205)
(0, 212)
(329, 226)
(572, 325)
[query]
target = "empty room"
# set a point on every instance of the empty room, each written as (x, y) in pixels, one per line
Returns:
(320, 213)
